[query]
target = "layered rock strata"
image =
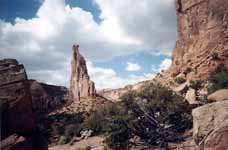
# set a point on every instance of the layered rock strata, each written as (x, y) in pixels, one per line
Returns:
(18, 124)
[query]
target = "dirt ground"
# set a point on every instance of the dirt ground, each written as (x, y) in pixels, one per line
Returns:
(96, 143)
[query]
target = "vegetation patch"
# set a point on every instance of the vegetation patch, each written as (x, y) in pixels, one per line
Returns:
(195, 84)
(180, 80)
(188, 70)
(156, 115)
(218, 78)
(215, 56)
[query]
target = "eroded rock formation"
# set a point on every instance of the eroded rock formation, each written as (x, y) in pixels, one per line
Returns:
(80, 84)
(16, 106)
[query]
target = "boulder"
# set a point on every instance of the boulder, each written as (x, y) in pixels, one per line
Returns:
(191, 96)
(16, 142)
(218, 139)
(220, 95)
(80, 83)
(181, 88)
(207, 118)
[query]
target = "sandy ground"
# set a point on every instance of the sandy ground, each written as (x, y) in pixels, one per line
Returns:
(95, 142)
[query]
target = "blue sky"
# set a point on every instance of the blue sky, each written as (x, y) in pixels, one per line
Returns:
(124, 42)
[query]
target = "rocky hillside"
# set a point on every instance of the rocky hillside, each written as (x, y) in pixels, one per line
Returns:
(80, 84)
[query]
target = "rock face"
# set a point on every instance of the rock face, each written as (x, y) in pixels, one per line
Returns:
(46, 98)
(218, 139)
(202, 30)
(16, 106)
(207, 120)
(16, 98)
(80, 84)
(220, 95)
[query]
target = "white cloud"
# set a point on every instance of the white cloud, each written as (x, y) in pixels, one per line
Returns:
(165, 64)
(106, 78)
(133, 67)
(151, 23)
(43, 43)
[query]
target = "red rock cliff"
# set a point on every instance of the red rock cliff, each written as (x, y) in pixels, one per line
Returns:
(202, 30)
(80, 84)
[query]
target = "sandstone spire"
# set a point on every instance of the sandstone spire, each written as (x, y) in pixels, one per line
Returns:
(80, 84)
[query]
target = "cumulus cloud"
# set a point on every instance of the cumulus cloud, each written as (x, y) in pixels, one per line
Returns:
(43, 43)
(150, 22)
(107, 78)
(133, 67)
(165, 64)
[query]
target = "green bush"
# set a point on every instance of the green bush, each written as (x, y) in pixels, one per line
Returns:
(226, 55)
(180, 80)
(218, 78)
(188, 70)
(98, 120)
(63, 140)
(215, 56)
(88, 147)
(195, 84)
(72, 130)
(118, 135)
(155, 114)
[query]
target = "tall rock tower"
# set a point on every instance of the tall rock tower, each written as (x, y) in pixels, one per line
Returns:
(80, 84)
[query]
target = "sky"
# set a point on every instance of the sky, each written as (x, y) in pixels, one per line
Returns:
(123, 42)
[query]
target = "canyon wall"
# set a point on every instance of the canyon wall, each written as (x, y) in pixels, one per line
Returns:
(202, 30)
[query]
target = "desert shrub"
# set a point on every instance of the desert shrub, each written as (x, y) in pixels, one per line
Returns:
(218, 78)
(88, 147)
(63, 140)
(188, 70)
(226, 55)
(98, 120)
(156, 115)
(195, 84)
(118, 135)
(180, 80)
(215, 56)
(72, 130)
